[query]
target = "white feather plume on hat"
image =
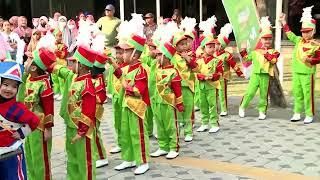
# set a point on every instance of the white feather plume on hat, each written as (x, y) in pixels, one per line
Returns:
(98, 43)
(306, 15)
(188, 24)
(208, 25)
(84, 37)
(168, 32)
(48, 42)
(265, 23)
(137, 24)
(226, 30)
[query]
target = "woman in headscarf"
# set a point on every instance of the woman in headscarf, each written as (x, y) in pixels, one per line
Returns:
(36, 35)
(66, 34)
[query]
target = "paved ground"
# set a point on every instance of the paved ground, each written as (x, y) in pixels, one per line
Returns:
(243, 149)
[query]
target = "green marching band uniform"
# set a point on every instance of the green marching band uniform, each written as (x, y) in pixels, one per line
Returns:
(78, 110)
(38, 98)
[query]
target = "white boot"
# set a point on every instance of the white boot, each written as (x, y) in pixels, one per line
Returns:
(125, 165)
(241, 112)
(214, 129)
(262, 116)
(308, 120)
(295, 117)
(59, 98)
(56, 96)
(159, 153)
(223, 113)
(188, 138)
(202, 128)
(141, 169)
(172, 155)
(115, 150)
(101, 163)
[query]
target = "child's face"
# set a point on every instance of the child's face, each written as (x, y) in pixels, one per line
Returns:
(151, 51)
(127, 55)
(119, 55)
(217, 46)
(190, 42)
(308, 35)
(182, 45)
(266, 42)
(209, 49)
(59, 38)
(8, 88)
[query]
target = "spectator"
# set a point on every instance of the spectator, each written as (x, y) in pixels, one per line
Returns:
(1, 23)
(43, 27)
(23, 30)
(109, 25)
(10, 37)
(176, 17)
(66, 34)
(90, 18)
(150, 26)
(74, 33)
(36, 35)
(56, 16)
(14, 22)
(80, 17)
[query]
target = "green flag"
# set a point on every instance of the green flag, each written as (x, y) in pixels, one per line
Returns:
(244, 20)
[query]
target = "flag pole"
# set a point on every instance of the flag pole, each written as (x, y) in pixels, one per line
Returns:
(277, 42)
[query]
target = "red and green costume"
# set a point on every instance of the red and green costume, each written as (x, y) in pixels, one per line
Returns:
(168, 90)
(134, 135)
(228, 63)
(38, 98)
(263, 62)
(61, 53)
(78, 110)
(208, 73)
(115, 88)
(101, 96)
(187, 83)
(303, 72)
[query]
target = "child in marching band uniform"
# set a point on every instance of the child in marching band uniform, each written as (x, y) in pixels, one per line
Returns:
(306, 55)
(168, 91)
(263, 62)
(134, 135)
(115, 89)
(181, 43)
(220, 53)
(97, 73)
(61, 53)
(38, 97)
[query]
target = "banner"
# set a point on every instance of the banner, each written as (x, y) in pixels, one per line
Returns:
(244, 19)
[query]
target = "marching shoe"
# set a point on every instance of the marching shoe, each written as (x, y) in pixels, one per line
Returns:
(188, 138)
(214, 129)
(241, 113)
(262, 116)
(295, 117)
(101, 163)
(308, 120)
(172, 155)
(59, 98)
(115, 150)
(159, 153)
(223, 113)
(125, 165)
(202, 128)
(141, 169)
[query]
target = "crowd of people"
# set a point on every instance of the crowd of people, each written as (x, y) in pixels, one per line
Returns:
(157, 74)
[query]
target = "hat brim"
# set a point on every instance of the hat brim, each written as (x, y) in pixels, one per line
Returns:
(125, 46)
(157, 51)
(306, 29)
(267, 36)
